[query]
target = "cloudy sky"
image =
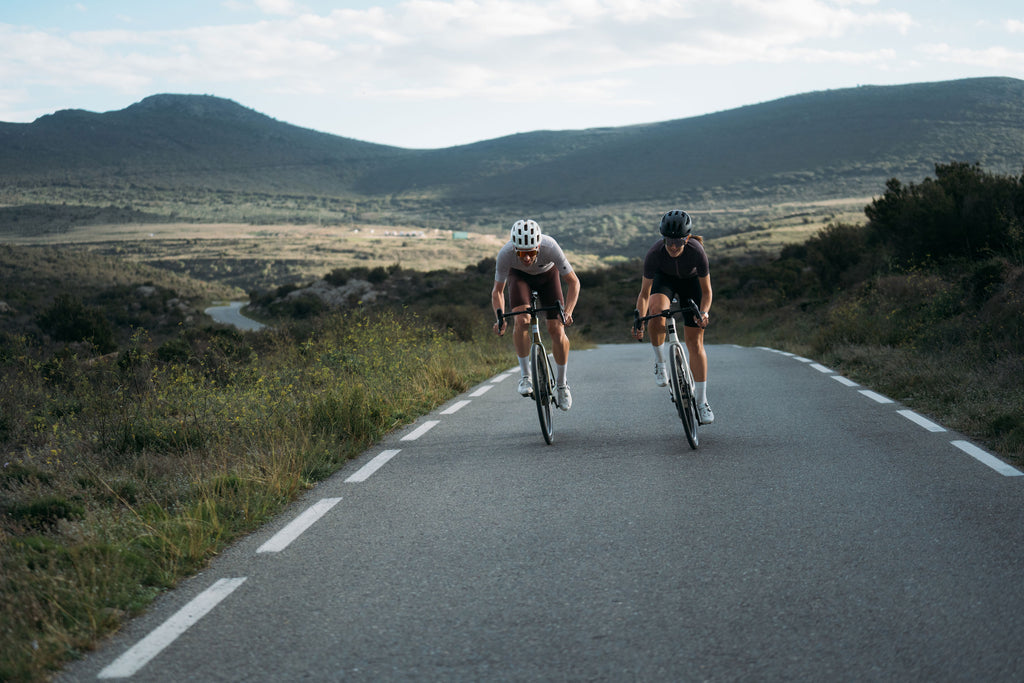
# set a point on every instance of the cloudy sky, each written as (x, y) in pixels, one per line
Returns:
(436, 73)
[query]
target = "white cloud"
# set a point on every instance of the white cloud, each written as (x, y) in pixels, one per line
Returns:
(276, 6)
(997, 58)
(462, 46)
(601, 55)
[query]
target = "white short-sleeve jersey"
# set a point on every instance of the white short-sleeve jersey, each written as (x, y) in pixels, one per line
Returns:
(549, 256)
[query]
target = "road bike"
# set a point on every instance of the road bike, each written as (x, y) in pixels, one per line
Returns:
(680, 378)
(543, 390)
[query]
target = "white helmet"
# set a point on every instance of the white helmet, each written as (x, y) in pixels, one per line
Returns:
(526, 235)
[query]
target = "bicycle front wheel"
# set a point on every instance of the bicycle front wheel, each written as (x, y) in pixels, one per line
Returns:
(542, 394)
(682, 396)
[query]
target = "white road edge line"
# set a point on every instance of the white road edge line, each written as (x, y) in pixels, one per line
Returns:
(369, 468)
(821, 368)
(455, 407)
(922, 421)
(421, 430)
(844, 380)
(293, 529)
(482, 390)
(987, 459)
(877, 398)
(143, 651)
(768, 348)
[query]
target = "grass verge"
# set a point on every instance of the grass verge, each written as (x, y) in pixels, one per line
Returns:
(132, 472)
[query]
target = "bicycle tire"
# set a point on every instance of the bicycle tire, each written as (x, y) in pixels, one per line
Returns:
(542, 389)
(683, 397)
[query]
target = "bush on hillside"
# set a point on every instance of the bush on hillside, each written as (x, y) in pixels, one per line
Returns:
(962, 213)
(69, 320)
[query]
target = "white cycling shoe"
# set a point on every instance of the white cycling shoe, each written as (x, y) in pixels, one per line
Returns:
(660, 374)
(564, 397)
(525, 386)
(704, 414)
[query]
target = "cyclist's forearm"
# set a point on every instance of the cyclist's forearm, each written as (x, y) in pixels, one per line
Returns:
(641, 304)
(705, 293)
(571, 297)
(645, 295)
(497, 299)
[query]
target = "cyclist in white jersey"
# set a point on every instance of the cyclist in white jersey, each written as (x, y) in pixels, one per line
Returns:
(530, 261)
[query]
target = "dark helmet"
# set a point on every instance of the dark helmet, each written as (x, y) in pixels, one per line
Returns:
(676, 224)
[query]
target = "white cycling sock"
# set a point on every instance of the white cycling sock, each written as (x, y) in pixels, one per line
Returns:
(524, 366)
(659, 352)
(560, 374)
(701, 389)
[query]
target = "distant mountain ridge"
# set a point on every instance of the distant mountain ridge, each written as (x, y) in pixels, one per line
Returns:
(836, 143)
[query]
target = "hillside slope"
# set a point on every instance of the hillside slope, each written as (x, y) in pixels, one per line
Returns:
(823, 144)
(833, 143)
(181, 142)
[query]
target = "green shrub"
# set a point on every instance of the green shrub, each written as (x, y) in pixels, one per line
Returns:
(69, 320)
(45, 512)
(962, 213)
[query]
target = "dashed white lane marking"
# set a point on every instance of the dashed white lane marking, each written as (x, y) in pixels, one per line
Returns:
(421, 430)
(369, 468)
(165, 634)
(988, 459)
(455, 407)
(282, 538)
(965, 446)
(877, 398)
(149, 647)
(923, 421)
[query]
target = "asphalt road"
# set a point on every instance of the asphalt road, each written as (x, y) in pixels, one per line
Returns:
(821, 532)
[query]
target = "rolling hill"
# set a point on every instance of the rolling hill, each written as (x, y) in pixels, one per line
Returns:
(832, 143)
(199, 158)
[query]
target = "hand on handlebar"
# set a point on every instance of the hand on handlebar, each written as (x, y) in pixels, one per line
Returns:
(700, 317)
(638, 327)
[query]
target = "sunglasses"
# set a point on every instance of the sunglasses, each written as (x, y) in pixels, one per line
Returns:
(526, 254)
(675, 242)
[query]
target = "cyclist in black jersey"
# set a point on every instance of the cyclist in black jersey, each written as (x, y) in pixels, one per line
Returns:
(530, 261)
(677, 265)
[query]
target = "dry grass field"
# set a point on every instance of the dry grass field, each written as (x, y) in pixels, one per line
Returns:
(778, 225)
(264, 256)
(248, 256)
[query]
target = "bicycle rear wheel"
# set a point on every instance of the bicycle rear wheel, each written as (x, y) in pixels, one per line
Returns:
(682, 396)
(542, 389)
